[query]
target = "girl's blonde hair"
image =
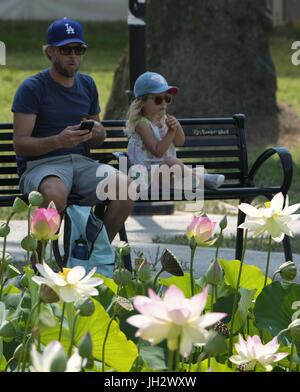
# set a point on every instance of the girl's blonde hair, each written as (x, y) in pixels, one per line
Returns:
(134, 114)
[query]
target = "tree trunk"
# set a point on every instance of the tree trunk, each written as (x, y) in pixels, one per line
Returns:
(117, 105)
(217, 53)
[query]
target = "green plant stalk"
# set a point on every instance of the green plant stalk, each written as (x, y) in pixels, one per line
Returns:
(219, 245)
(51, 252)
(268, 261)
(61, 321)
(73, 332)
(177, 359)
(2, 269)
(22, 356)
(157, 276)
(137, 361)
(43, 260)
(171, 355)
(212, 297)
(193, 250)
(28, 233)
(235, 302)
(105, 339)
(291, 355)
(8, 363)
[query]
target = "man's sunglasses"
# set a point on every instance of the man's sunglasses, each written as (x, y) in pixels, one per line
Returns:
(158, 100)
(67, 50)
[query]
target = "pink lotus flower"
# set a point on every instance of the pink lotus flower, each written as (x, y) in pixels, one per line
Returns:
(173, 317)
(201, 229)
(45, 223)
(252, 350)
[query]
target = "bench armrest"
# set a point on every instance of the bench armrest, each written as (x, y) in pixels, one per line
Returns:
(286, 164)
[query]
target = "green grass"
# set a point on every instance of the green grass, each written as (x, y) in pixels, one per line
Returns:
(24, 41)
(288, 81)
(107, 42)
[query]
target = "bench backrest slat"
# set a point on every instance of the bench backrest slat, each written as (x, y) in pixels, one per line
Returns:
(216, 143)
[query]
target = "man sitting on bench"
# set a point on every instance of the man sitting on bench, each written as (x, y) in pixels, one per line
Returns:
(50, 137)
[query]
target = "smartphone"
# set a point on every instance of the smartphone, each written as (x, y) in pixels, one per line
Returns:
(87, 124)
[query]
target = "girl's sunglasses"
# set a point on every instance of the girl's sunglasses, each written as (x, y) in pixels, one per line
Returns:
(158, 100)
(67, 50)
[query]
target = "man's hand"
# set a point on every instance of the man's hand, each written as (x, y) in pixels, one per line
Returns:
(71, 136)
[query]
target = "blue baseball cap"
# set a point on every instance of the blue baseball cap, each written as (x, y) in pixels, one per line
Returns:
(65, 31)
(152, 83)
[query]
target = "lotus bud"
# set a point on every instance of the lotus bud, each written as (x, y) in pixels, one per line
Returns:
(8, 258)
(45, 223)
(12, 272)
(123, 248)
(123, 305)
(89, 363)
(171, 264)
(214, 273)
(48, 295)
(18, 353)
(23, 281)
(139, 261)
(201, 229)
(46, 319)
(29, 243)
(59, 363)
(122, 276)
(215, 344)
(19, 205)
(85, 346)
(35, 198)
(294, 329)
(144, 273)
(7, 330)
(85, 306)
(223, 223)
(288, 270)
(4, 229)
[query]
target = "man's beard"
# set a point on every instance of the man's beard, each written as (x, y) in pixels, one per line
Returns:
(63, 71)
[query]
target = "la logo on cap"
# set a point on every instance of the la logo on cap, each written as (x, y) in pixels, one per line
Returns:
(69, 29)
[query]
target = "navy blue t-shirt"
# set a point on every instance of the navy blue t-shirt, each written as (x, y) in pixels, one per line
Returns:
(56, 107)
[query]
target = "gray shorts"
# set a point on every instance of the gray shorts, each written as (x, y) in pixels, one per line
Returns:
(79, 174)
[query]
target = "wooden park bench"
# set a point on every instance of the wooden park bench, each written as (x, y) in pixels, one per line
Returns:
(217, 143)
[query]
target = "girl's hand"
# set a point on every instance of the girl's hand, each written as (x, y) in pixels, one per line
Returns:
(172, 123)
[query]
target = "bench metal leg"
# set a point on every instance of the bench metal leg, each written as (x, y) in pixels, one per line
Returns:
(239, 236)
(127, 259)
(287, 248)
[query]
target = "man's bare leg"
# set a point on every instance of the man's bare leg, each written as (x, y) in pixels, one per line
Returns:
(118, 210)
(54, 189)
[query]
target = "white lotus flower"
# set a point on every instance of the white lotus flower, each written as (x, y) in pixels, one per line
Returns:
(42, 362)
(172, 317)
(252, 350)
(70, 284)
(272, 218)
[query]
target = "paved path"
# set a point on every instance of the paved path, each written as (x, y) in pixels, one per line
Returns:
(141, 230)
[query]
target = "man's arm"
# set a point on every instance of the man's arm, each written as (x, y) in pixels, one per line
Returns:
(98, 131)
(28, 145)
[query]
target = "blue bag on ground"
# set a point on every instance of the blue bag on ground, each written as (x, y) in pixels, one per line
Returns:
(87, 244)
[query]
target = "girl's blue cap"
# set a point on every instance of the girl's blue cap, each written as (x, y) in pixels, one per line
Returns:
(152, 83)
